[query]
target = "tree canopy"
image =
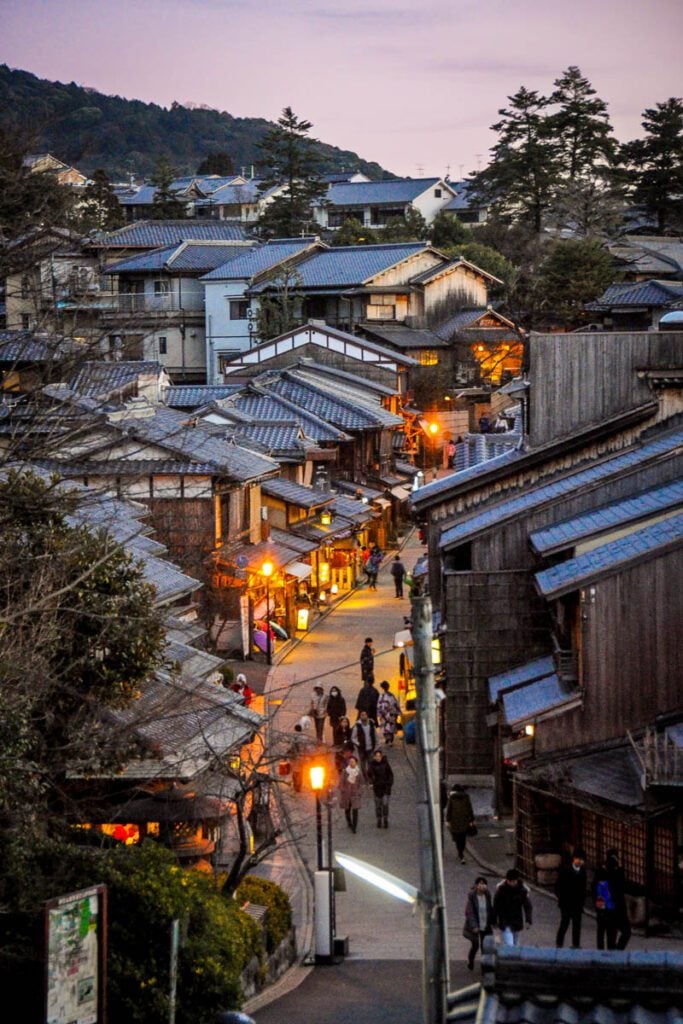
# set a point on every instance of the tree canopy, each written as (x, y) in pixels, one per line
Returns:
(292, 161)
(655, 165)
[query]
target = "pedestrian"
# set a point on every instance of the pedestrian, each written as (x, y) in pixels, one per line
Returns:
(398, 571)
(367, 661)
(450, 453)
(484, 425)
(460, 818)
(342, 732)
(512, 907)
(381, 779)
(617, 885)
(301, 747)
(478, 917)
(336, 708)
(367, 700)
(318, 711)
(388, 710)
(364, 555)
(241, 687)
(571, 895)
(606, 926)
(364, 737)
(351, 792)
(372, 567)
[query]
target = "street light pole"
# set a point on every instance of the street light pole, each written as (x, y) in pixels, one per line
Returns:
(324, 894)
(267, 572)
(434, 430)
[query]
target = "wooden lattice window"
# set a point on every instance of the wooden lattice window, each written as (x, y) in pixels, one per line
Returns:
(663, 863)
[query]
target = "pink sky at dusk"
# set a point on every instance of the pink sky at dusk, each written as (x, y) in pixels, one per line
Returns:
(412, 85)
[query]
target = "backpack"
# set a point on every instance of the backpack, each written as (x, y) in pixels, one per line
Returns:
(603, 896)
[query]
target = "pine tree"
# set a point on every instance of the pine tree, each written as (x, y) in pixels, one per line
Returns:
(166, 205)
(656, 164)
(291, 159)
(521, 180)
(101, 209)
(581, 126)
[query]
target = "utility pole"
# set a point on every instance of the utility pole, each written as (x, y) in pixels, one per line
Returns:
(435, 980)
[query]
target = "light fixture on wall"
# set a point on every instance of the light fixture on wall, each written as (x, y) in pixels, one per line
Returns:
(325, 517)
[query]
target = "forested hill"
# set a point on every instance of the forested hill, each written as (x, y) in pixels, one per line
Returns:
(85, 128)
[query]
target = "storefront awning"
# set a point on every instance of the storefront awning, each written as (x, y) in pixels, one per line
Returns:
(299, 569)
(541, 699)
(403, 638)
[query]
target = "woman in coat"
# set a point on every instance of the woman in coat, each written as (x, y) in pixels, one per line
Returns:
(351, 791)
(381, 779)
(336, 709)
(478, 917)
(388, 710)
(460, 816)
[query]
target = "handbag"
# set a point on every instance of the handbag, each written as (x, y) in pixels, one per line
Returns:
(472, 829)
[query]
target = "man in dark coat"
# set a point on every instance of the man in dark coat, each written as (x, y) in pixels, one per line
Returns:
(367, 701)
(617, 885)
(367, 661)
(364, 739)
(381, 778)
(571, 894)
(511, 906)
(398, 571)
(459, 816)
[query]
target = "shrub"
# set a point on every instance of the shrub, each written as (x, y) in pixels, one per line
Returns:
(267, 894)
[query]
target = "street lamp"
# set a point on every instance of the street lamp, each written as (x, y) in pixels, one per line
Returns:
(323, 887)
(267, 572)
(433, 430)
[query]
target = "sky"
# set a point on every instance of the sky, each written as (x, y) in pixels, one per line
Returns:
(412, 85)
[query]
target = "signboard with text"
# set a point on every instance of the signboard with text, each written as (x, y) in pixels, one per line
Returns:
(75, 933)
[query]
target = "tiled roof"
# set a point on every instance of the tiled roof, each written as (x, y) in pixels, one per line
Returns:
(277, 437)
(295, 494)
(301, 545)
(406, 337)
(171, 430)
(610, 774)
(186, 396)
(342, 413)
(619, 513)
(428, 275)
(260, 259)
(198, 257)
(364, 193)
(170, 583)
(640, 293)
(536, 698)
(460, 321)
(154, 234)
(339, 527)
(522, 674)
(569, 483)
(265, 404)
(308, 368)
(230, 195)
(152, 259)
(464, 197)
(98, 380)
(143, 195)
(346, 266)
(352, 509)
(23, 346)
(434, 488)
(610, 558)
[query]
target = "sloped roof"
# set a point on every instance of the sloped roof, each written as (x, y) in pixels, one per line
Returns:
(434, 488)
(193, 396)
(228, 194)
(464, 197)
(195, 256)
(612, 557)
(639, 293)
(259, 260)
(98, 380)
(340, 412)
(568, 483)
(537, 698)
(619, 513)
(466, 319)
(460, 261)
(346, 266)
(24, 347)
(364, 193)
(260, 403)
(525, 673)
(296, 494)
(405, 338)
(309, 368)
(153, 234)
(278, 437)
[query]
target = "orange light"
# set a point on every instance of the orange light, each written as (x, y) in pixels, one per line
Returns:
(433, 428)
(267, 569)
(317, 774)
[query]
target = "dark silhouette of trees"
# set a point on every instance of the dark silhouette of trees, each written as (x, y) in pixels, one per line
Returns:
(655, 165)
(292, 160)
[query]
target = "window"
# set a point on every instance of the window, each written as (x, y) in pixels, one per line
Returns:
(427, 357)
(25, 286)
(437, 193)
(162, 287)
(239, 309)
(162, 346)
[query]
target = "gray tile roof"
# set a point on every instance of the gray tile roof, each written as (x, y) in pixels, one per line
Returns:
(310, 369)
(619, 513)
(296, 494)
(640, 293)
(352, 509)
(154, 234)
(278, 437)
(171, 430)
(464, 197)
(611, 774)
(569, 483)
(186, 396)
(23, 347)
(346, 266)
(406, 337)
(435, 488)
(187, 257)
(460, 321)
(536, 698)
(170, 583)
(227, 194)
(260, 260)
(371, 193)
(299, 544)
(263, 403)
(612, 557)
(99, 380)
(342, 413)
(522, 674)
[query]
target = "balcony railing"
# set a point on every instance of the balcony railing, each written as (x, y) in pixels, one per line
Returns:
(567, 663)
(130, 304)
(660, 756)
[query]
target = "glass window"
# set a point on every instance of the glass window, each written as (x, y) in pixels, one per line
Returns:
(239, 309)
(162, 346)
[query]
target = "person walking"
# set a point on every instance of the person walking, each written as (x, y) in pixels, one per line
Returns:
(381, 779)
(450, 453)
(617, 884)
(367, 700)
(605, 922)
(372, 567)
(511, 907)
(364, 739)
(351, 792)
(318, 711)
(388, 710)
(398, 571)
(460, 818)
(478, 917)
(367, 661)
(571, 895)
(336, 709)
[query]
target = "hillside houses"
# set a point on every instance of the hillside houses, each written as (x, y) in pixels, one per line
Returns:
(374, 203)
(541, 563)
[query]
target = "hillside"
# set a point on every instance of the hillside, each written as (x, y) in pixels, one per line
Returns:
(85, 128)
